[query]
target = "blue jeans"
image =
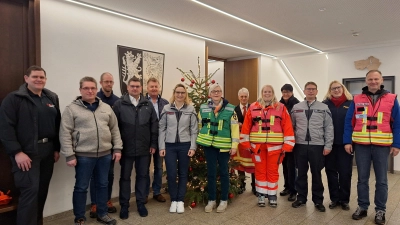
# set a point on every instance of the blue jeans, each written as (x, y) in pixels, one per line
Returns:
(379, 156)
(84, 169)
(158, 172)
(110, 184)
(177, 152)
(214, 156)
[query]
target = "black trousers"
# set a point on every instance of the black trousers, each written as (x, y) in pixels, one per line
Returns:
(339, 168)
(289, 172)
(34, 185)
(243, 183)
(142, 164)
(309, 156)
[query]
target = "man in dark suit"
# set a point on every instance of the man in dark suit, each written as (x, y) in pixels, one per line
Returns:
(244, 156)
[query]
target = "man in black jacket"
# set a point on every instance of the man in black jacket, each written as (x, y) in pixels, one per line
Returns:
(137, 121)
(29, 126)
(289, 168)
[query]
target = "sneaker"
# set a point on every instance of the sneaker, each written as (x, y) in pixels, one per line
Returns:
(93, 210)
(180, 208)
(222, 206)
(210, 206)
(106, 220)
(297, 204)
(124, 213)
(79, 221)
(359, 214)
(261, 201)
(292, 198)
(380, 217)
(273, 203)
(284, 192)
(172, 208)
(111, 208)
(142, 210)
(333, 205)
(320, 207)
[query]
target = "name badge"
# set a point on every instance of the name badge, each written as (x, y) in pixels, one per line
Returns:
(361, 116)
(206, 110)
(362, 104)
(257, 158)
(50, 105)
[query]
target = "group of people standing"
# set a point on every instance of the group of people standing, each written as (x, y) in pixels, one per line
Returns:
(98, 129)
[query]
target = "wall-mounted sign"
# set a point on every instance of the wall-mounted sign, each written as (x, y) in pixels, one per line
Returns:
(371, 63)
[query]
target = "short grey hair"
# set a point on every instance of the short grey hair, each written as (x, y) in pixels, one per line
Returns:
(244, 90)
(213, 86)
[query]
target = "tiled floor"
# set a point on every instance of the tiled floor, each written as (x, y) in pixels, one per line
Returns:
(244, 210)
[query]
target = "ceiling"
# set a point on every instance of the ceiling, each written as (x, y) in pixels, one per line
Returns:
(327, 25)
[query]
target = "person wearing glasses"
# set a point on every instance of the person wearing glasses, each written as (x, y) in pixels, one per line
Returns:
(312, 122)
(338, 164)
(267, 132)
(178, 128)
(137, 120)
(219, 135)
(90, 139)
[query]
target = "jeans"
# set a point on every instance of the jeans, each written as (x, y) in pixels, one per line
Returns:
(142, 173)
(34, 185)
(214, 156)
(289, 172)
(338, 169)
(177, 152)
(158, 172)
(110, 184)
(309, 156)
(379, 157)
(84, 169)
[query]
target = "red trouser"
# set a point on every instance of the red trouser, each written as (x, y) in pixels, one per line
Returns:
(266, 163)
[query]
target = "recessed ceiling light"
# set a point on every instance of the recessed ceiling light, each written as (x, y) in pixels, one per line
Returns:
(322, 9)
(340, 23)
(355, 34)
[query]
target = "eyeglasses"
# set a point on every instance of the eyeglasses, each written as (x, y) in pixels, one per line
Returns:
(336, 88)
(311, 89)
(89, 89)
(134, 86)
(180, 93)
(216, 91)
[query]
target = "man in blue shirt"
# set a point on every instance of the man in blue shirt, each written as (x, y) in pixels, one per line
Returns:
(107, 96)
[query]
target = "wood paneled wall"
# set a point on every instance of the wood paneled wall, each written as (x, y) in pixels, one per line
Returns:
(238, 74)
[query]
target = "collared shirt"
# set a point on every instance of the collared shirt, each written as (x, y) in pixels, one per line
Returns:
(179, 107)
(242, 108)
(155, 104)
(47, 114)
(134, 101)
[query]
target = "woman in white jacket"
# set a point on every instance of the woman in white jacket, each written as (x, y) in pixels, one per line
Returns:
(178, 128)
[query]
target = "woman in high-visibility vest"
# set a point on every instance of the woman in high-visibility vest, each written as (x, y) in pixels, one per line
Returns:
(219, 134)
(267, 132)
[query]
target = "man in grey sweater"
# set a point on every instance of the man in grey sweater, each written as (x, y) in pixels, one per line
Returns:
(88, 132)
(312, 122)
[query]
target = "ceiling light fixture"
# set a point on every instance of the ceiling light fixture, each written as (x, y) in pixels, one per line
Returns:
(258, 26)
(322, 9)
(291, 76)
(164, 27)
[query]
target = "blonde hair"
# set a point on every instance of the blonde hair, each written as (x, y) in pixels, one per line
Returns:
(187, 100)
(345, 91)
(274, 101)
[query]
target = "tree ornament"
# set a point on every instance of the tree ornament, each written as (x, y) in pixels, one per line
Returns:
(231, 195)
(193, 81)
(213, 81)
(190, 169)
(191, 85)
(182, 79)
(193, 204)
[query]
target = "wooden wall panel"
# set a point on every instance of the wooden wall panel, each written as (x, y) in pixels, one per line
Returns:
(238, 74)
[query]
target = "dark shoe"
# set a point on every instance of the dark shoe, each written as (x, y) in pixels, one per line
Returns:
(147, 200)
(380, 217)
(124, 213)
(254, 191)
(111, 208)
(159, 198)
(106, 220)
(142, 210)
(93, 210)
(320, 207)
(345, 206)
(284, 192)
(79, 221)
(292, 198)
(297, 204)
(333, 205)
(359, 214)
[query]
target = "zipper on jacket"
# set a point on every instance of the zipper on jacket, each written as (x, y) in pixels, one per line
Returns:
(97, 129)
(178, 117)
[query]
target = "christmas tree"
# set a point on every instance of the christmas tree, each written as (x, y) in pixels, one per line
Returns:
(197, 87)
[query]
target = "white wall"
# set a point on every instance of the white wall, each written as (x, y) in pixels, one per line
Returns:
(219, 75)
(78, 42)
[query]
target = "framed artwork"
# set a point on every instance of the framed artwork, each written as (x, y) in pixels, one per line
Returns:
(140, 63)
